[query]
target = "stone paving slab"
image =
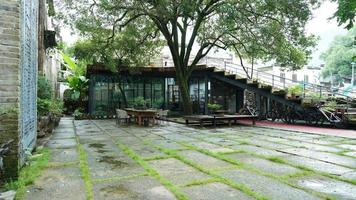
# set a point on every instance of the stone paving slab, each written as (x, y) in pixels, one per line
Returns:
(211, 147)
(317, 165)
(64, 135)
(337, 189)
(266, 144)
(351, 153)
(88, 131)
(267, 186)
(221, 140)
(176, 171)
(349, 175)
(110, 167)
(179, 138)
(311, 146)
(328, 157)
(258, 150)
(57, 184)
(108, 161)
(139, 188)
(205, 160)
(214, 191)
(62, 143)
(263, 165)
(168, 144)
(348, 146)
(146, 151)
(64, 155)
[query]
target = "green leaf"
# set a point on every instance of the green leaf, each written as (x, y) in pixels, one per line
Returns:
(70, 63)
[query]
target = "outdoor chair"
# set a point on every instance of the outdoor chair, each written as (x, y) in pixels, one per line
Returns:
(122, 116)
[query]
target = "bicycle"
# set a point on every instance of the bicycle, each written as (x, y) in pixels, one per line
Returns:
(277, 113)
(249, 110)
(337, 120)
(292, 115)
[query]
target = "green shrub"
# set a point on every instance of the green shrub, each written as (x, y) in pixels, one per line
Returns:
(295, 90)
(56, 107)
(140, 102)
(214, 106)
(77, 113)
(44, 88)
(46, 106)
(43, 106)
(330, 105)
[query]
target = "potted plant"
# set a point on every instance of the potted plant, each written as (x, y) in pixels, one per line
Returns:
(215, 108)
(295, 91)
(140, 103)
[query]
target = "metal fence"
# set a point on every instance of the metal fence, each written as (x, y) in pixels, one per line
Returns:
(277, 82)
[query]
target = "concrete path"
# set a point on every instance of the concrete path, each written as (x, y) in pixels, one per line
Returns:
(94, 159)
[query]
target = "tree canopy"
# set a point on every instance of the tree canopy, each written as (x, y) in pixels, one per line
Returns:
(102, 41)
(269, 30)
(339, 56)
(346, 12)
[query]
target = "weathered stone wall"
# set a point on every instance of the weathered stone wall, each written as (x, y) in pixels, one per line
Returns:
(10, 80)
(18, 69)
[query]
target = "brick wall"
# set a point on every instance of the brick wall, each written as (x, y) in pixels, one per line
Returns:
(10, 80)
(18, 71)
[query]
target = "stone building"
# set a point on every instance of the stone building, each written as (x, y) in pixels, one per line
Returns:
(18, 78)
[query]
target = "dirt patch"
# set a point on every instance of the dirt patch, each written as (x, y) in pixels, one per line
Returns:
(112, 161)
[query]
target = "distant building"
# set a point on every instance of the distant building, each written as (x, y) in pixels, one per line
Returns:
(308, 74)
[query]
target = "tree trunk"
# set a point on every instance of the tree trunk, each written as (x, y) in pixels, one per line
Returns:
(183, 84)
(123, 95)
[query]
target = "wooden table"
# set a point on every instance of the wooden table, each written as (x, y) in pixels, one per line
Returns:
(213, 119)
(142, 114)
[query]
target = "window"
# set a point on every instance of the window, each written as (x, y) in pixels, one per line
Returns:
(294, 77)
(282, 77)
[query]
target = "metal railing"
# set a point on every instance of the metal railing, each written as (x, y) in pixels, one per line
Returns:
(276, 82)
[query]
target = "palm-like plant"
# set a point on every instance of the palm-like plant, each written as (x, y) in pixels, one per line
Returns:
(75, 78)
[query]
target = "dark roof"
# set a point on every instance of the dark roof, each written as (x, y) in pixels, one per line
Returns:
(152, 71)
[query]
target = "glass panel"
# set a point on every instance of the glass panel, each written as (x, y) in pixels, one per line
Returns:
(158, 93)
(202, 97)
(140, 90)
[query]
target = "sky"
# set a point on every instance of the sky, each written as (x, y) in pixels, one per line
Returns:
(319, 25)
(324, 28)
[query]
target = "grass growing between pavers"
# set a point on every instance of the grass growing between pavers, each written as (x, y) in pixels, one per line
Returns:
(305, 171)
(59, 165)
(158, 157)
(85, 173)
(282, 179)
(152, 172)
(28, 174)
(101, 180)
(201, 182)
(275, 159)
(212, 173)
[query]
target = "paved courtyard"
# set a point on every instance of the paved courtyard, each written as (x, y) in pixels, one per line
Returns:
(97, 160)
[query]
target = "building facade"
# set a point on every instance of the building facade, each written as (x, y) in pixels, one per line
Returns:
(18, 78)
(158, 86)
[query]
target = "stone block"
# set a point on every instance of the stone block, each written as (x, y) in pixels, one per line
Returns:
(11, 165)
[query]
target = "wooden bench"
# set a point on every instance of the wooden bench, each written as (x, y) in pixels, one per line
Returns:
(214, 119)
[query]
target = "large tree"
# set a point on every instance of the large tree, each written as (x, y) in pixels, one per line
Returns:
(339, 56)
(263, 30)
(346, 12)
